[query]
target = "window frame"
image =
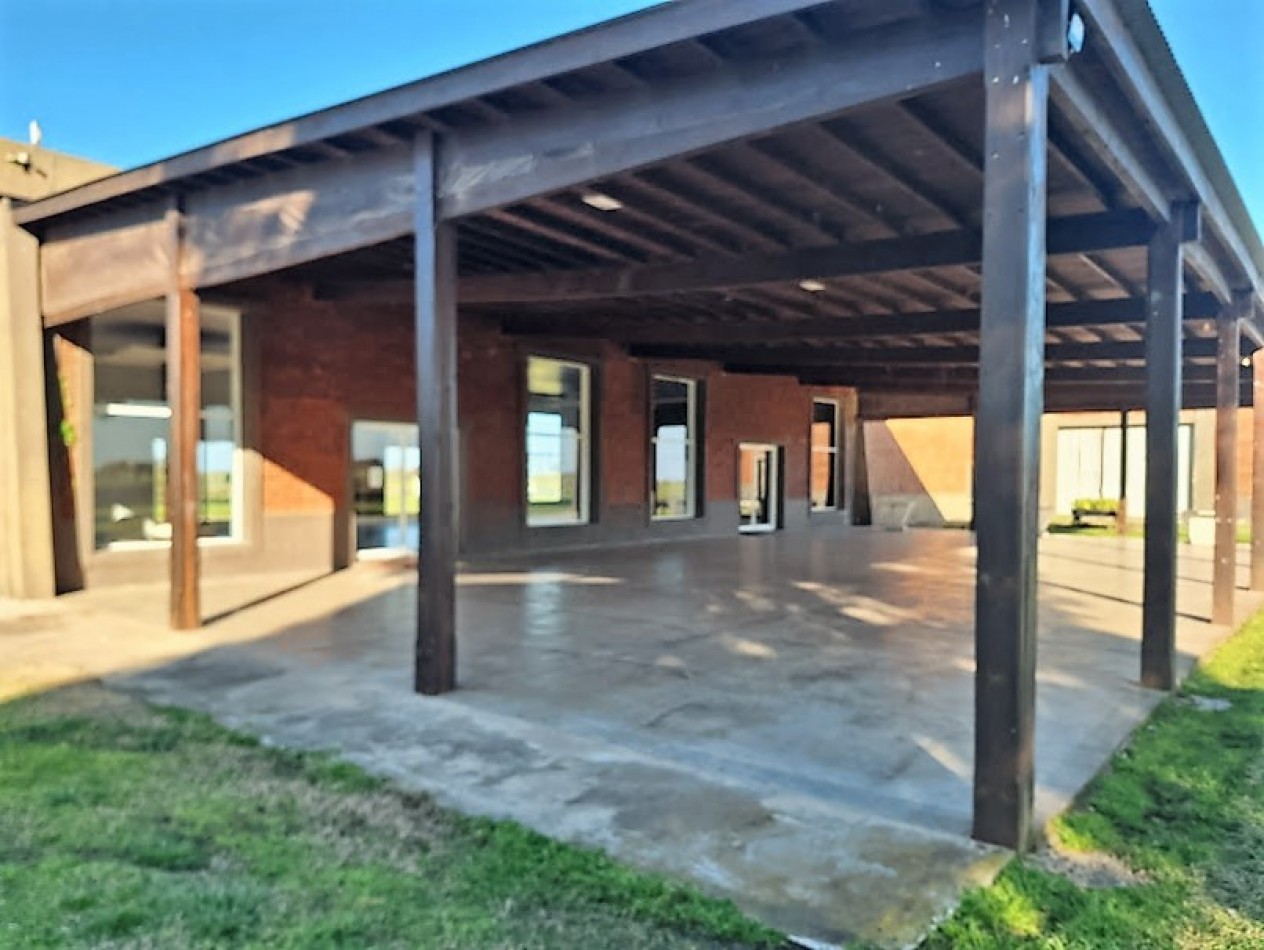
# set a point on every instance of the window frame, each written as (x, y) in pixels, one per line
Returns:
(583, 466)
(237, 521)
(833, 450)
(693, 439)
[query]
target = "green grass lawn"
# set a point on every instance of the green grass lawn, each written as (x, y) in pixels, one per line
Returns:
(1176, 824)
(124, 825)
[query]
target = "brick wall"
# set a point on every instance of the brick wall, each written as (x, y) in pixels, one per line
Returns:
(321, 365)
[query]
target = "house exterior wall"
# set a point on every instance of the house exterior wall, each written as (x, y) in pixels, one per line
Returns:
(928, 463)
(310, 368)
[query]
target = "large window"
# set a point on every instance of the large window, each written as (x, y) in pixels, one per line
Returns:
(674, 440)
(557, 442)
(1090, 463)
(131, 423)
(825, 467)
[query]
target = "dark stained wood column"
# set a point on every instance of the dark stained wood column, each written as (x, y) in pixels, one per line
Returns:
(1257, 470)
(1163, 406)
(184, 396)
(1121, 515)
(1007, 440)
(435, 276)
(1228, 356)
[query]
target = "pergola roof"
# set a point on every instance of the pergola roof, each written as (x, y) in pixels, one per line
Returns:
(843, 248)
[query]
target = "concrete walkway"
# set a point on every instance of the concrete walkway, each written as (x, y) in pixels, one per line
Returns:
(785, 721)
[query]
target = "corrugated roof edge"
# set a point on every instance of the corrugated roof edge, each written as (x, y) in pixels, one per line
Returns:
(1171, 79)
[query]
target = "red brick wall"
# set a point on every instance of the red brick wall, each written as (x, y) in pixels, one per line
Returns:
(323, 364)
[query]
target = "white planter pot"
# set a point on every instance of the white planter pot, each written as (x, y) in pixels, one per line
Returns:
(1202, 530)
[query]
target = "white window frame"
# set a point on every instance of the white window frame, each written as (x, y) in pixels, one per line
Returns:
(584, 446)
(832, 450)
(691, 449)
(142, 410)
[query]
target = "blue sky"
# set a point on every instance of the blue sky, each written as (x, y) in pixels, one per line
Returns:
(131, 81)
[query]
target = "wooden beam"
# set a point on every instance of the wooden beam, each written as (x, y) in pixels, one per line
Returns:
(1073, 235)
(435, 270)
(97, 264)
(1077, 98)
(1163, 406)
(1132, 68)
(1228, 367)
(1007, 439)
(904, 356)
(523, 157)
(302, 214)
(1257, 472)
(184, 397)
(1088, 314)
(1127, 390)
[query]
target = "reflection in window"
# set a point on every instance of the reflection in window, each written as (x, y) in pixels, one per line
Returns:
(386, 485)
(557, 442)
(673, 436)
(824, 455)
(131, 422)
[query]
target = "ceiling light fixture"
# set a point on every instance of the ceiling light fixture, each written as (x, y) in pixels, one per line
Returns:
(811, 286)
(602, 202)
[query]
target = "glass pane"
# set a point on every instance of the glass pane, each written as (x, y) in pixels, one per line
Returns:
(673, 480)
(131, 424)
(557, 421)
(672, 420)
(129, 456)
(217, 450)
(386, 483)
(824, 455)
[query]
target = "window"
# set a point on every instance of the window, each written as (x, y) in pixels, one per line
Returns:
(557, 442)
(131, 423)
(1089, 465)
(825, 494)
(674, 439)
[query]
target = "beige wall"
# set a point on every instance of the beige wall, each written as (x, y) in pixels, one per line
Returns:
(49, 172)
(928, 463)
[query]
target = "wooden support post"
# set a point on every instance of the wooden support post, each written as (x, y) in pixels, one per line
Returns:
(1225, 573)
(435, 276)
(184, 396)
(1257, 471)
(1121, 512)
(1163, 409)
(1007, 442)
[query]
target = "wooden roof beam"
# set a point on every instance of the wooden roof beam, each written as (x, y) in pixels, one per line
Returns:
(1075, 235)
(483, 168)
(1060, 316)
(861, 357)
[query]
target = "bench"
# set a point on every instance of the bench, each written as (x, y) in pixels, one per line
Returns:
(1104, 517)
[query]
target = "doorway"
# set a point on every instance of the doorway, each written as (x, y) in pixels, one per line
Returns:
(757, 496)
(386, 487)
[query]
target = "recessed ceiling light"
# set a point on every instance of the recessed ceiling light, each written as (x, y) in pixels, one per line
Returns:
(602, 202)
(1246, 361)
(811, 286)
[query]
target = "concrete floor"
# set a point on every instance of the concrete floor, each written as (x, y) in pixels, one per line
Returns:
(785, 720)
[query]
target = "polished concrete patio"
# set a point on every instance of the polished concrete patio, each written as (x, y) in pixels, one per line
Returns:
(786, 720)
